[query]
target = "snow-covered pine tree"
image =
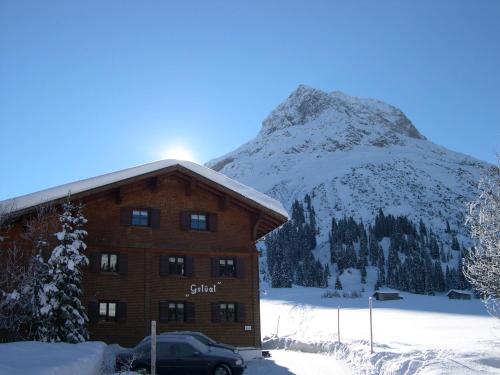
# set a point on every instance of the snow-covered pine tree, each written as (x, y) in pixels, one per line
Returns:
(61, 302)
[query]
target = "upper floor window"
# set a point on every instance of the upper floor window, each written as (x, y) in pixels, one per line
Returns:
(140, 217)
(109, 262)
(199, 222)
(107, 311)
(176, 266)
(227, 267)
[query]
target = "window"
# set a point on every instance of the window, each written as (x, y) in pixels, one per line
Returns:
(176, 266)
(227, 312)
(109, 262)
(163, 350)
(227, 267)
(107, 311)
(183, 350)
(140, 218)
(176, 311)
(199, 222)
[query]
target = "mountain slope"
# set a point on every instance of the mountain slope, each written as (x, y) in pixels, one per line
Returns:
(354, 156)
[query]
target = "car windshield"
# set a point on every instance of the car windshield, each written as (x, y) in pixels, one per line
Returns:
(203, 339)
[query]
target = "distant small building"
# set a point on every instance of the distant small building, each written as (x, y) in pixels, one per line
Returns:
(459, 294)
(386, 295)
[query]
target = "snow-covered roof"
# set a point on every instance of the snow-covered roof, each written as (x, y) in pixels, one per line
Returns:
(459, 291)
(386, 290)
(30, 200)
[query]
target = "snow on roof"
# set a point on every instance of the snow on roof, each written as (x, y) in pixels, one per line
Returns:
(58, 192)
(386, 290)
(459, 291)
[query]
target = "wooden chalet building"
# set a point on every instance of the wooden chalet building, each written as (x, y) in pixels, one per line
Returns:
(170, 241)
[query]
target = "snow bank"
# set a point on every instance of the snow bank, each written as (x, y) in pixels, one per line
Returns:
(37, 358)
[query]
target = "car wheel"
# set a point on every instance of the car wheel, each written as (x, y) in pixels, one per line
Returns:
(223, 369)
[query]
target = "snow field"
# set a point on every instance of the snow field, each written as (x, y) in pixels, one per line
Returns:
(418, 334)
(287, 362)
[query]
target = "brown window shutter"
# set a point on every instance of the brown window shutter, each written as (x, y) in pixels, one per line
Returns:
(95, 262)
(125, 216)
(215, 267)
(163, 312)
(163, 265)
(121, 312)
(155, 218)
(212, 222)
(93, 312)
(215, 312)
(123, 263)
(189, 270)
(240, 313)
(189, 311)
(240, 268)
(185, 220)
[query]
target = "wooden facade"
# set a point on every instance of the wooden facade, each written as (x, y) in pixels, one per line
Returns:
(164, 269)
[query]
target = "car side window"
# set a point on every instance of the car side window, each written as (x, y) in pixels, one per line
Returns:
(183, 350)
(164, 350)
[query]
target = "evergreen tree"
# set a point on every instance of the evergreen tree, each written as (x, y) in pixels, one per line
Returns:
(454, 243)
(338, 284)
(439, 282)
(434, 246)
(62, 305)
(363, 275)
(326, 275)
(40, 324)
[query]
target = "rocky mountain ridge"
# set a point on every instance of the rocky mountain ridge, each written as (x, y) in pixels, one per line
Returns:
(354, 156)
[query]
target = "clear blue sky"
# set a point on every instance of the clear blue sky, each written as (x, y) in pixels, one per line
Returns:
(96, 86)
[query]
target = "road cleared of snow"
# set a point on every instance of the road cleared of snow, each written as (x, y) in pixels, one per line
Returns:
(288, 362)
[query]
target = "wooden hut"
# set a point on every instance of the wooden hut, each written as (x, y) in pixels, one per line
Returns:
(459, 294)
(386, 295)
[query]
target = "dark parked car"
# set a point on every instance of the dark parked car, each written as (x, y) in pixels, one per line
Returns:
(181, 355)
(204, 339)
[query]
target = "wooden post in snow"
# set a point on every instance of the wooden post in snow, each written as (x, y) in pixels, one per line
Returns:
(371, 325)
(338, 323)
(153, 347)
(278, 326)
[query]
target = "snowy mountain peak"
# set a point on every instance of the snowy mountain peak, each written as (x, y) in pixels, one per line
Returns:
(353, 156)
(306, 104)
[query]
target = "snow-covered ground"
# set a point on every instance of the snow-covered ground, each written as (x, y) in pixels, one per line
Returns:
(415, 335)
(418, 334)
(36, 358)
(287, 362)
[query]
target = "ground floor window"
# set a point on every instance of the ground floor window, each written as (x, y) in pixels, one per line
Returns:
(172, 311)
(227, 312)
